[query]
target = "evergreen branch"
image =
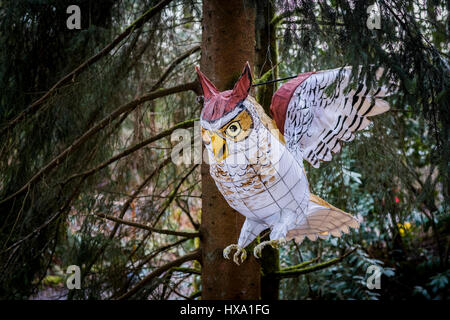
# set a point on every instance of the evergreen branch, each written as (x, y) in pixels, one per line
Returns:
(96, 128)
(186, 211)
(166, 204)
(301, 265)
(292, 273)
(194, 255)
(155, 253)
(322, 23)
(138, 268)
(172, 66)
(186, 270)
(124, 209)
(266, 76)
(147, 227)
(277, 19)
(35, 106)
(53, 218)
(195, 294)
(130, 150)
(156, 86)
(173, 193)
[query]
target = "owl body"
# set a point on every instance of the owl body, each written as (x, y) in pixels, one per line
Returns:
(260, 178)
(257, 162)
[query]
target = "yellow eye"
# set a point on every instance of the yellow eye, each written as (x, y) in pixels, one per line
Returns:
(233, 129)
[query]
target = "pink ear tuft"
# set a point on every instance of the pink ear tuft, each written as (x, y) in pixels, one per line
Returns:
(209, 90)
(243, 85)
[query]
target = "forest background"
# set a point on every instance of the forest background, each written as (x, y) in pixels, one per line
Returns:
(88, 122)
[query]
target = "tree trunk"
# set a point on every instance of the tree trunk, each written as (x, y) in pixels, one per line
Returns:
(266, 54)
(265, 59)
(228, 41)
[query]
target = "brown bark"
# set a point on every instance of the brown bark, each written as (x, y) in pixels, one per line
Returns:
(265, 59)
(227, 43)
(266, 56)
(270, 264)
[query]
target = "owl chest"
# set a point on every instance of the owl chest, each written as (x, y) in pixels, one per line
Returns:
(243, 180)
(259, 189)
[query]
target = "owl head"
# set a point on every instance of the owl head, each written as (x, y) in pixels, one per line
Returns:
(228, 119)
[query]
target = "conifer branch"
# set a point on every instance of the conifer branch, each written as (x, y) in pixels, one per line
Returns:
(147, 227)
(96, 128)
(301, 269)
(186, 270)
(35, 106)
(172, 66)
(301, 265)
(194, 255)
(124, 209)
(132, 149)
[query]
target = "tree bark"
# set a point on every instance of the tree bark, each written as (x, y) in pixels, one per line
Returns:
(266, 59)
(266, 55)
(228, 41)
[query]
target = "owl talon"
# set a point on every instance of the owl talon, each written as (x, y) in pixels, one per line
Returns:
(239, 252)
(273, 243)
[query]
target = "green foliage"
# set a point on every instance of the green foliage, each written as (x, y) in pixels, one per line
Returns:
(394, 177)
(53, 223)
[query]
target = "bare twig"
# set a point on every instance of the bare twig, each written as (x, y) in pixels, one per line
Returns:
(124, 209)
(156, 252)
(173, 193)
(166, 204)
(137, 269)
(172, 65)
(186, 211)
(290, 273)
(130, 150)
(146, 227)
(194, 255)
(103, 123)
(186, 270)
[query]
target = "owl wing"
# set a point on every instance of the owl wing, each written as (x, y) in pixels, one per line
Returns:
(314, 121)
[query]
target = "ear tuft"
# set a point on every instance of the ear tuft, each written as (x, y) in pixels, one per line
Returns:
(244, 84)
(209, 90)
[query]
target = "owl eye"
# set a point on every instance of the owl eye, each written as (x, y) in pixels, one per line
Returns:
(233, 129)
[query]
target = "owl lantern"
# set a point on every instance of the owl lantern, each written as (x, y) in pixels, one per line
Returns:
(257, 162)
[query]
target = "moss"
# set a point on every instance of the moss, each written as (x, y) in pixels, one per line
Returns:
(53, 280)
(265, 77)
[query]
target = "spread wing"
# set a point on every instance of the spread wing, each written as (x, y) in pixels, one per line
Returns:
(314, 121)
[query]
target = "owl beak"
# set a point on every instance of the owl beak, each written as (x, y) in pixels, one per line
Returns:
(219, 147)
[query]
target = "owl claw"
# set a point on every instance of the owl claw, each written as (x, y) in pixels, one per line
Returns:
(239, 252)
(273, 243)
